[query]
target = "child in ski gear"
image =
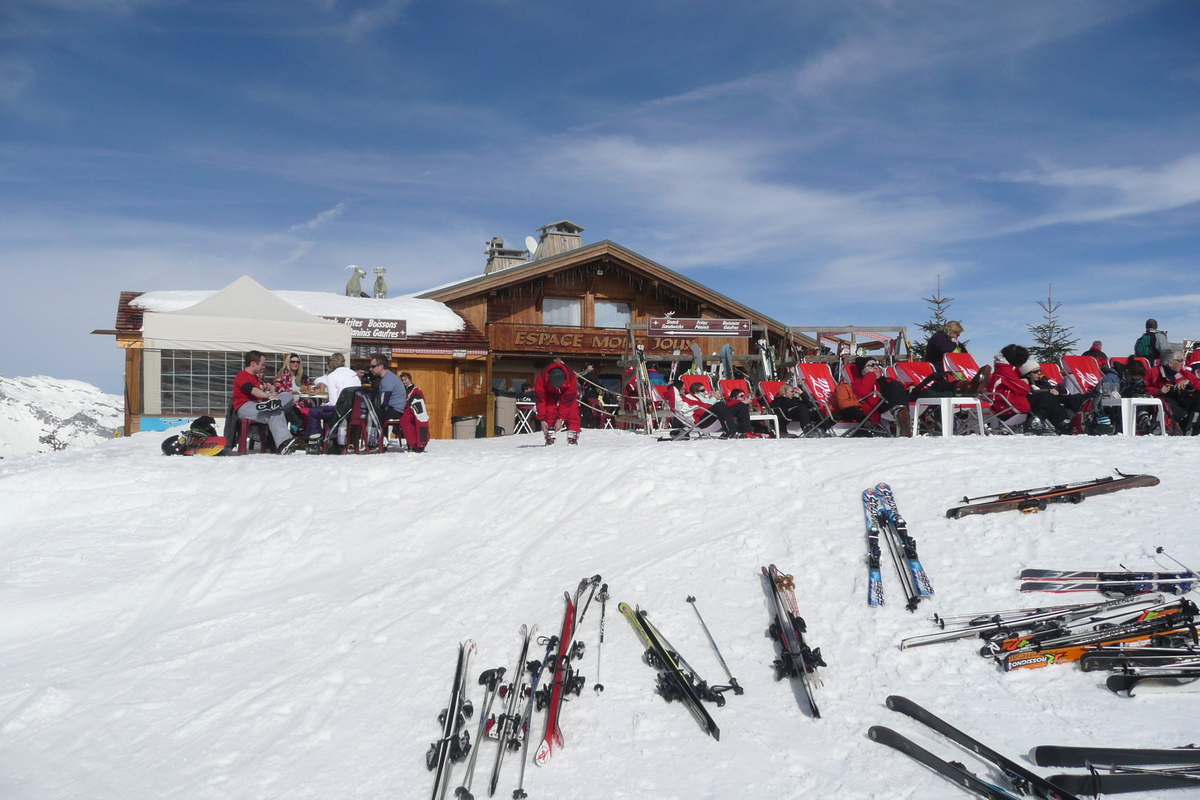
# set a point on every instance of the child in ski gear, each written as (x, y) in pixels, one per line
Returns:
(251, 401)
(414, 424)
(557, 391)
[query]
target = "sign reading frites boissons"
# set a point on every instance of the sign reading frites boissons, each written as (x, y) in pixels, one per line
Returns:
(367, 328)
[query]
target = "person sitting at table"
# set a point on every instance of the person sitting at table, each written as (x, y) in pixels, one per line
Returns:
(292, 379)
(338, 379)
(391, 387)
(258, 404)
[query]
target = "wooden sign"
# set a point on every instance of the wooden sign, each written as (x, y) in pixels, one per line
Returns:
(378, 329)
(582, 341)
(672, 326)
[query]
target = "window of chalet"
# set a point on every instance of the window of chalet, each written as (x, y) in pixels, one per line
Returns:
(613, 314)
(560, 312)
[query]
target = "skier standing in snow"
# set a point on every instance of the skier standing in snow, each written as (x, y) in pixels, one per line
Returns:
(557, 391)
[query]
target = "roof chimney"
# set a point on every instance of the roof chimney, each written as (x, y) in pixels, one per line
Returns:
(501, 257)
(558, 237)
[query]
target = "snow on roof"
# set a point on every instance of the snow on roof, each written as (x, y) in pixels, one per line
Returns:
(421, 316)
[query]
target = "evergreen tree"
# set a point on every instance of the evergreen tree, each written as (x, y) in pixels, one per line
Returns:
(1051, 339)
(935, 323)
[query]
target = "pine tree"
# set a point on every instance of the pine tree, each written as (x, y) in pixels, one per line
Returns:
(935, 323)
(1051, 339)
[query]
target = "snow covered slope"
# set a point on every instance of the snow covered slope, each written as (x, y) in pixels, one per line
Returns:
(267, 627)
(77, 413)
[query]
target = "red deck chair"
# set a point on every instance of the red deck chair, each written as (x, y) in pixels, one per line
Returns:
(911, 373)
(961, 365)
(1084, 371)
(818, 379)
(1051, 371)
(1118, 360)
(759, 412)
(690, 380)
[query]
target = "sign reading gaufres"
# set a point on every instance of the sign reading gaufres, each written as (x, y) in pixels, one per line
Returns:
(361, 328)
(660, 326)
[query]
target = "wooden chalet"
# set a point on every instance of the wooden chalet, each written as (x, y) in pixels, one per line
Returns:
(582, 303)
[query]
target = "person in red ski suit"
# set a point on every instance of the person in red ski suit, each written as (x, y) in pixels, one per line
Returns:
(556, 392)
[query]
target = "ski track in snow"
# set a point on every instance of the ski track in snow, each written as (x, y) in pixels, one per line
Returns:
(263, 627)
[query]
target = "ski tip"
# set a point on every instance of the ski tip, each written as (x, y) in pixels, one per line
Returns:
(543, 754)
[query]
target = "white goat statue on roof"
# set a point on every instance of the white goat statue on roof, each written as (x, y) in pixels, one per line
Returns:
(380, 287)
(354, 285)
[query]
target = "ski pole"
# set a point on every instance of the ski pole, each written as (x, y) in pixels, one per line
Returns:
(1162, 552)
(594, 581)
(732, 680)
(490, 680)
(599, 687)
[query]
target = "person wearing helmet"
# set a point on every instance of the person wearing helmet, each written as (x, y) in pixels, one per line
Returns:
(556, 391)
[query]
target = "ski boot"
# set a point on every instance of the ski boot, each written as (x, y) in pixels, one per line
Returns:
(549, 435)
(573, 437)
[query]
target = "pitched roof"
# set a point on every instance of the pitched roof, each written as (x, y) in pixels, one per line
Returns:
(482, 284)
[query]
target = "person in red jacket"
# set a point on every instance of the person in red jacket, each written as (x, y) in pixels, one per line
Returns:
(1175, 385)
(1013, 379)
(556, 392)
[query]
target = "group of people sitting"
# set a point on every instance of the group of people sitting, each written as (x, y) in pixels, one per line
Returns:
(1013, 387)
(297, 409)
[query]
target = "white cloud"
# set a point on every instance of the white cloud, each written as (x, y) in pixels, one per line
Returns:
(320, 219)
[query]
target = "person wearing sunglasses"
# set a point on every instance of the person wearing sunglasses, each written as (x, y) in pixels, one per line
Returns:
(895, 396)
(291, 377)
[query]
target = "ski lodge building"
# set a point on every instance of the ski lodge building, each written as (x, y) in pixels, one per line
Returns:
(461, 342)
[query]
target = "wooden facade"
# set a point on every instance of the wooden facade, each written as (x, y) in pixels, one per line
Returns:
(603, 287)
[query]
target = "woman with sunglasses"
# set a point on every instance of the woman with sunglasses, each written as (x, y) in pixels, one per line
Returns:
(895, 396)
(291, 376)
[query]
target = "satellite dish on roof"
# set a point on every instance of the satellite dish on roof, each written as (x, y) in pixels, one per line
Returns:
(531, 244)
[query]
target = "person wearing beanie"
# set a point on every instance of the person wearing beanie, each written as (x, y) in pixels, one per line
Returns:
(556, 389)
(1015, 390)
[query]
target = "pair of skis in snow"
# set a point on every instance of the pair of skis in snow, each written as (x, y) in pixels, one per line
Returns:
(885, 523)
(1113, 770)
(1019, 779)
(1109, 582)
(1034, 500)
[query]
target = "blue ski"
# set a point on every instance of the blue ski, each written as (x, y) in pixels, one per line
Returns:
(871, 509)
(909, 545)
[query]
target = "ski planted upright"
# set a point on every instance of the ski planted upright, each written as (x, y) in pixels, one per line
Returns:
(535, 670)
(796, 658)
(673, 683)
(871, 510)
(561, 680)
(508, 724)
(1018, 776)
(490, 681)
(453, 746)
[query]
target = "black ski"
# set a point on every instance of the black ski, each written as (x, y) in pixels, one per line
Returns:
(956, 773)
(1047, 755)
(1020, 778)
(796, 658)
(1117, 658)
(673, 684)
(1161, 680)
(1118, 783)
(508, 723)
(453, 746)
(1103, 576)
(1031, 500)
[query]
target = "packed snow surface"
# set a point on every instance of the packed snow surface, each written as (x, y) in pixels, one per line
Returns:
(421, 316)
(75, 413)
(286, 627)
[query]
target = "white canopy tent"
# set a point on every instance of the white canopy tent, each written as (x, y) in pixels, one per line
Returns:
(244, 316)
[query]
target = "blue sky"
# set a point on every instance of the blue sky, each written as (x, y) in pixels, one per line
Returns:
(822, 162)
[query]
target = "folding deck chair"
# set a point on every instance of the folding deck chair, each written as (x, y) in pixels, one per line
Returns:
(688, 425)
(818, 379)
(757, 411)
(1085, 373)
